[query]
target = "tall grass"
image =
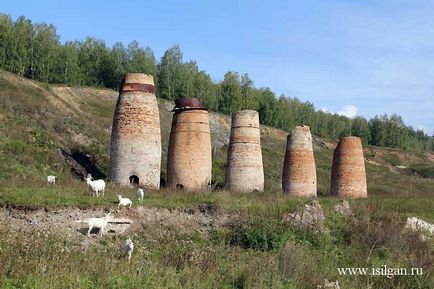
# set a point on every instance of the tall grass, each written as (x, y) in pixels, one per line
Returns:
(265, 253)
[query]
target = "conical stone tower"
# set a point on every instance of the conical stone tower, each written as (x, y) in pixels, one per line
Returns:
(299, 171)
(245, 170)
(348, 172)
(136, 136)
(189, 160)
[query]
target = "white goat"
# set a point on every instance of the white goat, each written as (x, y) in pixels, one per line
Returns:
(97, 186)
(124, 202)
(140, 195)
(99, 223)
(51, 180)
(129, 248)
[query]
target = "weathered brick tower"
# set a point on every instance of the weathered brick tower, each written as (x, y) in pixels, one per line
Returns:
(245, 171)
(189, 162)
(348, 172)
(136, 136)
(299, 171)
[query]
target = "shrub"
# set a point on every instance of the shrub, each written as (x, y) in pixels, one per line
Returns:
(264, 234)
(370, 154)
(423, 170)
(15, 147)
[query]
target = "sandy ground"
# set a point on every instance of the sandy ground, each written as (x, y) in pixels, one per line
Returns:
(69, 222)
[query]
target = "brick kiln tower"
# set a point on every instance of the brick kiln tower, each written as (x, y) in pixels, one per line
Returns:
(189, 162)
(299, 171)
(348, 173)
(245, 171)
(136, 137)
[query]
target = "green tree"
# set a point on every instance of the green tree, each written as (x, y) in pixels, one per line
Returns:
(19, 54)
(45, 42)
(187, 75)
(65, 68)
(7, 35)
(141, 60)
(231, 95)
(168, 73)
(284, 118)
(92, 56)
(247, 92)
(267, 107)
(204, 87)
(360, 128)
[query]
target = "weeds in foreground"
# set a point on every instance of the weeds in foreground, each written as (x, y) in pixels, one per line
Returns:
(256, 250)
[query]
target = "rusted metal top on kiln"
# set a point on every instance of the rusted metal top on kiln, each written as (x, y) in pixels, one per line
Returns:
(138, 82)
(188, 104)
(127, 87)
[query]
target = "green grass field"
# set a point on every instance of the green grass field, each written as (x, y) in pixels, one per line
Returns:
(260, 250)
(76, 193)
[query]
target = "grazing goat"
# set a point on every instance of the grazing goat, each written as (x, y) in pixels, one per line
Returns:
(51, 180)
(124, 202)
(129, 248)
(97, 186)
(140, 194)
(99, 223)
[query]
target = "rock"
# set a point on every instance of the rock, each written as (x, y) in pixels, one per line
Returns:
(343, 208)
(421, 226)
(208, 208)
(309, 216)
(329, 284)
(77, 168)
(204, 220)
(168, 105)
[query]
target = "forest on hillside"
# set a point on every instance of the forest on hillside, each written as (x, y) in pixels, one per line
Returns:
(34, 50)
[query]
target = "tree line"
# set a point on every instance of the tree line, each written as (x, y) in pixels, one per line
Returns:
(34, 50)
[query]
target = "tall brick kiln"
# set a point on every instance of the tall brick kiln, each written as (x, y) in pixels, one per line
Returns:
(136, 135)
(189, 162)
(348, 172)
(245, 171)
(299, 171)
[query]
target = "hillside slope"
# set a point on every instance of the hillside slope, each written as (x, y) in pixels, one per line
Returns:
(57, 129)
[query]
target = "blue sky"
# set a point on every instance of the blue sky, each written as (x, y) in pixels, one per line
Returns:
(352, 57)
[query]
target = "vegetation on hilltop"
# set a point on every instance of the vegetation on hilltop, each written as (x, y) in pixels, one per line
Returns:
(33, 50)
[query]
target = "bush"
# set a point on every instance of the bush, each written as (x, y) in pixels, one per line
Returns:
(370, 154)
(423, 170)
(265, 234)
(15, 147)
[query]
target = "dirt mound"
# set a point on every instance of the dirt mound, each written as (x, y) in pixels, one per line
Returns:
(70, 222)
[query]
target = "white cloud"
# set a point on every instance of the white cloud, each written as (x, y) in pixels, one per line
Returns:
(349, 111)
